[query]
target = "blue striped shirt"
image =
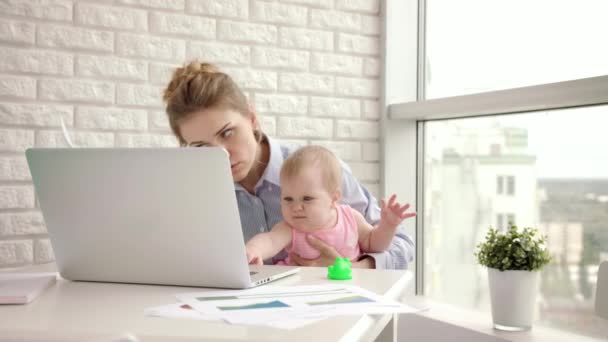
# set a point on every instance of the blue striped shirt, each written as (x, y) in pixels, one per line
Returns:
(259, 212)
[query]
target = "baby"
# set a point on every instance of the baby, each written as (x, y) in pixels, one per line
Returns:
(310, 195)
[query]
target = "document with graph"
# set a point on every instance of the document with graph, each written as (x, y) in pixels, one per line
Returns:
(275, 303)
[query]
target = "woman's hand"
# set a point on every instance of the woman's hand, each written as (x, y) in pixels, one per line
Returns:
(365, 262)
(328, 254)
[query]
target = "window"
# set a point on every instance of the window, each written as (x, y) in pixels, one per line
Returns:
(499, 221)
(510, 221)
(499, 181)
(510, 185)
(530, 156)
(504, 221)
(563, 190)
(505, 182)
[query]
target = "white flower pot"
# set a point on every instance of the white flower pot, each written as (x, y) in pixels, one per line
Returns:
(513, 295)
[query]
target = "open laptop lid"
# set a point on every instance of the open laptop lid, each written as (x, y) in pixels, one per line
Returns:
(154, 216)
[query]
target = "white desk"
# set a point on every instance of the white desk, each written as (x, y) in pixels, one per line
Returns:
(84, 311)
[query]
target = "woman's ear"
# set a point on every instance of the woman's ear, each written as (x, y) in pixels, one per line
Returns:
(252, 115)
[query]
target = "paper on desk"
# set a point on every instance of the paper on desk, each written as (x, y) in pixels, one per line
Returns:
(276, 303)
(184, 311)
(178, 310)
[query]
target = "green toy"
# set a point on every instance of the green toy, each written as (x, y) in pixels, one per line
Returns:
(340, 270)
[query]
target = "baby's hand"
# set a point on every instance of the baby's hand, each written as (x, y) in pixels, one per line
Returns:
(392, 213)
(253, 258)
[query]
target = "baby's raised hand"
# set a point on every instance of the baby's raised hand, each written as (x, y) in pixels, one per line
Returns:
(392, 213)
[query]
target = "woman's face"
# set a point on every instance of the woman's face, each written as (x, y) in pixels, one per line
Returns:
(227, 128)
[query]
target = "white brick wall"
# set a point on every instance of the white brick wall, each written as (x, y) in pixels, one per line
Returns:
(17, 31)
(70, 37)
(16, 252)
(18, 60)
(111, 17)
(310, 67)
(17, 87)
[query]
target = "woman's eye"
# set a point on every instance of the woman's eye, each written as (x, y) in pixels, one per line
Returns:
(227, 133)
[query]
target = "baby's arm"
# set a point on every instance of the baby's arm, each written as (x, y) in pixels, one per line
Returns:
(266, 245)
(366, 231)
(378, 239)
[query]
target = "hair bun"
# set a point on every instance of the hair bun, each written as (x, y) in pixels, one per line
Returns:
(206, 68)
(196, 68)
(187, 72)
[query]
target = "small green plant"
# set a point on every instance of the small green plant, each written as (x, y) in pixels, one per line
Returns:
(513, 250)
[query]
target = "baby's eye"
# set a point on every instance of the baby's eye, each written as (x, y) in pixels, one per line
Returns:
(308, 198)
(227, 133)
(287, 199)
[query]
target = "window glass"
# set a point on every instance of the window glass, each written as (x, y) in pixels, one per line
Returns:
(556, 178)
(474, 46)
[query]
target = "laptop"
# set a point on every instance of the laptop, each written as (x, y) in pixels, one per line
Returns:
(164, 216)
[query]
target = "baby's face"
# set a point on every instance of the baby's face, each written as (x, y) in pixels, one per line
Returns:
(305, 202)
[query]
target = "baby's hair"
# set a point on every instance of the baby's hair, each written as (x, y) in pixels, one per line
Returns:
(197, 86)
(315, 156)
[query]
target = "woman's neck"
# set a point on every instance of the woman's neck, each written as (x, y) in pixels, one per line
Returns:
(257, 169)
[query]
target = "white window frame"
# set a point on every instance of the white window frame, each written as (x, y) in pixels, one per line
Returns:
(404, 110)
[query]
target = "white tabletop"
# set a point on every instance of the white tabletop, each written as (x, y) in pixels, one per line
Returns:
(76, 311)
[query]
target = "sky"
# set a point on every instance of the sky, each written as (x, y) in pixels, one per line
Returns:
(483, 45)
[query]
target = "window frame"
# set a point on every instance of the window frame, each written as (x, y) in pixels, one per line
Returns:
(405, 111)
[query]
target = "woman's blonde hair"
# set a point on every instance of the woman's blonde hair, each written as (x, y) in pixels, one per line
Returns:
(318, 157)
(197, 86)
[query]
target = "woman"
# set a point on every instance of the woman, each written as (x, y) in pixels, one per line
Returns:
(206, 108)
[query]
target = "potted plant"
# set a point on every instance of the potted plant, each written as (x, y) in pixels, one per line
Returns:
(514, 259)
